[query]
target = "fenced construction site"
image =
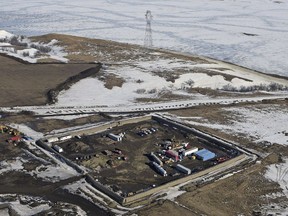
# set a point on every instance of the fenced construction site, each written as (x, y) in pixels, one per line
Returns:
(148, 149)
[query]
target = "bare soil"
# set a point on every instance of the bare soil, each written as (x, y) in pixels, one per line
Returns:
(164, 208)
(111, 80)
(28, 84)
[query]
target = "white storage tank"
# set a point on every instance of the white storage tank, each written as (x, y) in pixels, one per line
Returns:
(156, 159)
(159, 169)
(183, 169)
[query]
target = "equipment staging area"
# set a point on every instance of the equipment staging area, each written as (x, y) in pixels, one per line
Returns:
(136, 158)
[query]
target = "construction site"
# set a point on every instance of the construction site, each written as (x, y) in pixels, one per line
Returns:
(135, 159)
(126, 147)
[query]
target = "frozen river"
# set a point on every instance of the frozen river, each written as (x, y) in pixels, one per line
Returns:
(251, 33)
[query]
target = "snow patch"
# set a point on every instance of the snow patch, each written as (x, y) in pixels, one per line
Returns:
(67, 117)
(5, 35)
(12, 165)
(27, 131)
(33, 51)
(53, 173)
(279, 173)
(265, 125)
(153, 79)
(88, 192)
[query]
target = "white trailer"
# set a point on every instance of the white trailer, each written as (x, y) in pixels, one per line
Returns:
(65, 138)
(115, 137)
(190, 151)
(52, 139)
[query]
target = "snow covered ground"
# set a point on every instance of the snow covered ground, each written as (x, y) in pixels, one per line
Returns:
(248, 33)
(48, 172)
(172, 104)
(5, 34)
(27, 131)
(88, 192)
(67, 117)
(91, 91)
(147, 79)
(25, 205)
(278, 173)
(12, 165)
(27, 52)
(51, 173)
(265, 125)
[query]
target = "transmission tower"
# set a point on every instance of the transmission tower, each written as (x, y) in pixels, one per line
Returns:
(148, 32)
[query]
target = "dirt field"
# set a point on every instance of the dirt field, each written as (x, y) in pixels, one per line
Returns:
(45, 125)
(241, 193)
(28, 84)
(164, 208)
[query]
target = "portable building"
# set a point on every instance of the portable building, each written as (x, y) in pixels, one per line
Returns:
(183, 169)
(159, 169)
(156, 159)
(172, 154)
(115, 137)
(205, 154)
(58, 148)
(52, 139)
(65, 138)
(190, 151)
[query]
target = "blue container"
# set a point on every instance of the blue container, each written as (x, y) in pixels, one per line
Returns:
(204, 154)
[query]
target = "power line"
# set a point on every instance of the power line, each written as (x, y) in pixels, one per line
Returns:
(148, 33)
